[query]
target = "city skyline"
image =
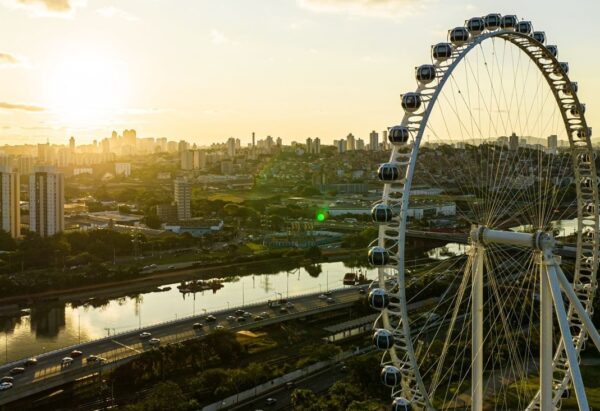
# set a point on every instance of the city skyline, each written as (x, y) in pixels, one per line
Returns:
(320, 69)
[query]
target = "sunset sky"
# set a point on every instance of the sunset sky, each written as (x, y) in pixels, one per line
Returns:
(207, 70)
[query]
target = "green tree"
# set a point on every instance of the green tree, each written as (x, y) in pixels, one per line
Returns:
(164, 396)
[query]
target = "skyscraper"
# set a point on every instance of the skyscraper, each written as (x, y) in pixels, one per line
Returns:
(374, 141)
(182, 193)
(253, 140)
(552, 144)
(72, 144)
(46, 201)
(360, 144)
(351, 144)
(513, 142)
(317, 145)
(231, 147)
(309, 145)
(10, 212)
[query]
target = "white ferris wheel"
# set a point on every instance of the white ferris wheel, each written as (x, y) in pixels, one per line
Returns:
(495, 134)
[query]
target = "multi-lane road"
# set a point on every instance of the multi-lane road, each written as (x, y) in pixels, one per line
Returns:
(117, 349)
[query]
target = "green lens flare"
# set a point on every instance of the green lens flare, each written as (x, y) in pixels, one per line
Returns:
(320, 217)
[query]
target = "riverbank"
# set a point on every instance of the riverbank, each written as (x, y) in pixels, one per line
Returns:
(149, 282)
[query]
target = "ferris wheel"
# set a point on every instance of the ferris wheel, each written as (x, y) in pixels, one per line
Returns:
(494, 148)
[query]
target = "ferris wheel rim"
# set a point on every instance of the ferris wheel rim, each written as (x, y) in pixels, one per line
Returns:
(417, 123)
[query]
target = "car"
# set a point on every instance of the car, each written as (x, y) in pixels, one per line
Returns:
(283, 309)
(258, 317)
(197, 326)
(322, 297)
(330, 300)
(362, 291)
(247, 314)
(171, 267)
(30, 362)
(17, 370)
(154, 341)
(290, 385)
(271, 401)
(264, 314)
(65, 362)
(76, 353)
(289, 304)
(219, 327)
(92, 358)
(239, 312)
(240, 319)
(211, 318)
(7, 378)
(328, 293)
(145, 335)
(5, 386)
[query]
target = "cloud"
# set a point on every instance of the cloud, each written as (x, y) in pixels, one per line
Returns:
(111, 11)
(373, 8)
(48, 8)
(218, 37)
(22, 107)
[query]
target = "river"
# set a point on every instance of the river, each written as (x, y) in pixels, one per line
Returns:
(54, 325)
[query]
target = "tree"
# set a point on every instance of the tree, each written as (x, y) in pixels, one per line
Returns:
(152, 221)
(304, 400)
(7, 243)
(164, 396)
(314, 253)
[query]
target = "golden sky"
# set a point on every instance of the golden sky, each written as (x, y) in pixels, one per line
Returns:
(206, 70)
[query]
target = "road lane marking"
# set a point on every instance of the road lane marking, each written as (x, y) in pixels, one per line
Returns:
(126, 346)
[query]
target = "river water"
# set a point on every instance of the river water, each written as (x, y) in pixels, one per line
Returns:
(54, 325)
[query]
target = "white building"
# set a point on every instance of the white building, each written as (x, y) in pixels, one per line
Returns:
(10, 216)
(231, 146)
(182, 193)
(123, 169)
(552, 144)
(46, 201)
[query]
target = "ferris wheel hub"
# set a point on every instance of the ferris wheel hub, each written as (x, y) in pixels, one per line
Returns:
(540, 240)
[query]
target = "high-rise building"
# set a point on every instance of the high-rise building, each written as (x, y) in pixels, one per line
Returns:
(351, 144)
(513, 142)
(199, 160)
(182, 193)
(72, 144)
(253, 140)
(278, 142)
(552, 144)
(183, 145)
(10, 197)
(341, 146)
(374, 141)
(231, 147)
(46, 201)
(187, 160)
(384, 139)
(43, 153)
(317, 145)
(309, 145)
(360, 144)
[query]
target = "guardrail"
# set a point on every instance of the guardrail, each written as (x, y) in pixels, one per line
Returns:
(157, 325)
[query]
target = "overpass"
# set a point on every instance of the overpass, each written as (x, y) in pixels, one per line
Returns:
(121, 348)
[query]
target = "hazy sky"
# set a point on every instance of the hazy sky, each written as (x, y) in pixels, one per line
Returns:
(207, 70)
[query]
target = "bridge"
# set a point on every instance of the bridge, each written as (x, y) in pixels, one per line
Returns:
(121, 348)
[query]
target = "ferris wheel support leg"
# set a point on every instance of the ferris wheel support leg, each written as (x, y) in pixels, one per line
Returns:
(565, 333)
(546, 352)
(477, 330)
(583, 314)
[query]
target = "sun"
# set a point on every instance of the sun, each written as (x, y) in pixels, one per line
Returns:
(84, 93)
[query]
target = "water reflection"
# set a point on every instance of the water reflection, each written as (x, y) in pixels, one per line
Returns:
(54, 325)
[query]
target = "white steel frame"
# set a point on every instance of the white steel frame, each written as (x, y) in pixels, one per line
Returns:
(558, 367)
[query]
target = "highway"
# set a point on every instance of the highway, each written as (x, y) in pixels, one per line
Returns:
(120, 348)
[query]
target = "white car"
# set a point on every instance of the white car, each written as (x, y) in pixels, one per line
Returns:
(323, 297)
(145, 334)
(219, 327)
(5, 386)
(65, 362)
(231, 318)
(154, 341)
